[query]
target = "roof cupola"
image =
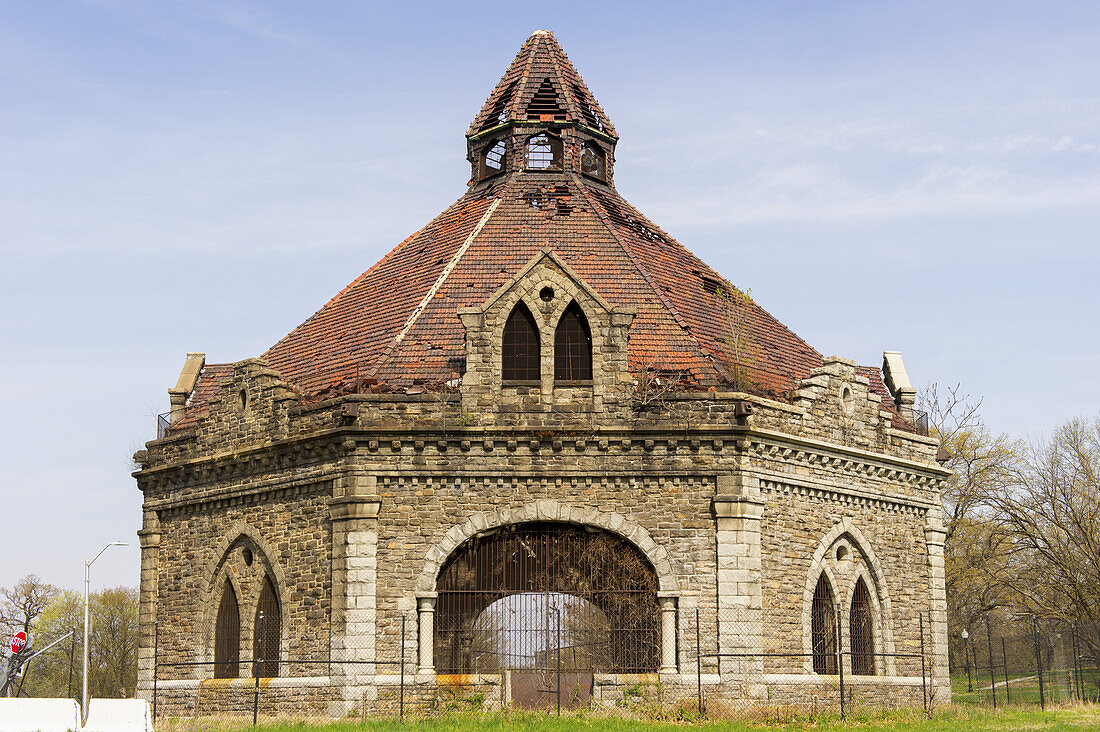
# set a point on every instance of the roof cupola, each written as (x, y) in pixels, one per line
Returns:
(541, 118)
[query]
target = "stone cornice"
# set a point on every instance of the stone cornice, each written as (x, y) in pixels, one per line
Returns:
(250, 494)
(890, 502)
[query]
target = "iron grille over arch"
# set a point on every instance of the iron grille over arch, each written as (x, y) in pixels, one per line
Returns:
(521, 356)
(227, 636)
(861, 630)
(500, 595)
(573, 346)
(823, 628)
(268, 630)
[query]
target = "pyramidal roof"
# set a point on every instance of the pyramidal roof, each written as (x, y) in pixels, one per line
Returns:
(396, 326)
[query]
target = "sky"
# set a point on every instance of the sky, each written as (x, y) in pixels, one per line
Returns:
(202, 176)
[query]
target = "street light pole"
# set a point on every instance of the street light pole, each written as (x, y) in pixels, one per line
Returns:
(87, 567)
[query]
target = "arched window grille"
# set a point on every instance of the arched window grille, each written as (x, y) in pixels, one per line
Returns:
(573, 346)
(522, 360)
(861, 630)
(268, 630)
(494, 156)
(529, 594)
(823, 628)
(592, 160)
(227, 636)
(544, 152)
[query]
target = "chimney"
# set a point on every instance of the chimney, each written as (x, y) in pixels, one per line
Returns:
(189, 376)
(897, 381)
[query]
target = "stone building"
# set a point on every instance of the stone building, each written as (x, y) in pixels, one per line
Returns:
(538, 411)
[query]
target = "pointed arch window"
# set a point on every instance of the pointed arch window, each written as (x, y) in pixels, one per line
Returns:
(593, 160)
(573, 346)
(227, 636)
(861, 629)
(522, 359)
(544, 152)
(494, 157)
(269, 625)
(823, 628)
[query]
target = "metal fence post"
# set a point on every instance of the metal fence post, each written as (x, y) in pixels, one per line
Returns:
(840, 665)
(699, 666)
(1078, 687)
(401, 707)
(72, 655)
(1039, 662)
(923, 671)
(989, 647)
(966, 657)
(156, 659)
(255, 669)
(1004, 661)
(977, 672)
(557, 618)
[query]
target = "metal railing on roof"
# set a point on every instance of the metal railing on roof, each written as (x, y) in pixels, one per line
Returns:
(920, 423)
(164, 422)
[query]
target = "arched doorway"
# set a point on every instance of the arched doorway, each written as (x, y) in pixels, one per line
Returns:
(538, 599)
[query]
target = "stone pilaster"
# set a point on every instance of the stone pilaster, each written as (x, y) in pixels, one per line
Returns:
(354, 518)
(934, 536)
(668, 604)
(425, 615)
(738, 508)
(147, 599)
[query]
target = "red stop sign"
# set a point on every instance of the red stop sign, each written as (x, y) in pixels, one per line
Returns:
(18, 642)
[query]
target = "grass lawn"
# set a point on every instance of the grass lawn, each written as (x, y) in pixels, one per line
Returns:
(956, 718)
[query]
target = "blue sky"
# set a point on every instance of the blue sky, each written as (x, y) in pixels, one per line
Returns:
(202, 176)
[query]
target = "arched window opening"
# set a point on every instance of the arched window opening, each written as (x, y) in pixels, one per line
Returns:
(823, 628)
(269, 626)
(592, 160)
(522, 360)
(494, 156)
(227, 636)
(544, 152)
(861, 629)
(573, 346)
(523, 596)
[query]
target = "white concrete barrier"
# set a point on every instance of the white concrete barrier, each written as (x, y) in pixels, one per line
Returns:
(39, 715)
(118, 715)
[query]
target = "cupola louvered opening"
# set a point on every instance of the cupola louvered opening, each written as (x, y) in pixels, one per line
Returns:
(592, 160)
(544, 152)
(494, 157)
(861, 630)
(498, 115)
(823, 628)
(544, 106)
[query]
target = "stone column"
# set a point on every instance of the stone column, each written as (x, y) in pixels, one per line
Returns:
(425, 613)
(738, 508)
(668, 633)
(354, 516)
(934, 536)
(147, 602)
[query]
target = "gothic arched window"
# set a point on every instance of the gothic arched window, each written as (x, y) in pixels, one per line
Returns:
(592, 160)
(573, 346)
(493, 158)
(269, 626)
(861, 630)
(823, 628)
(227, 636)
(521, 359)
(544, 152)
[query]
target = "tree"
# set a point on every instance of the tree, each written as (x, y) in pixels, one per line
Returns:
(22, 603)
(1052, 509)
(49, 674)
(977, 547)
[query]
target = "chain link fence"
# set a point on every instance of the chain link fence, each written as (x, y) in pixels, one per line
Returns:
(1005, 659)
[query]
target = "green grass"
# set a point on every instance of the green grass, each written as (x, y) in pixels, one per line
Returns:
(956, 719)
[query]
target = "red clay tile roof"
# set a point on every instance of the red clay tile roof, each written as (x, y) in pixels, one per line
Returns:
(390, 327)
